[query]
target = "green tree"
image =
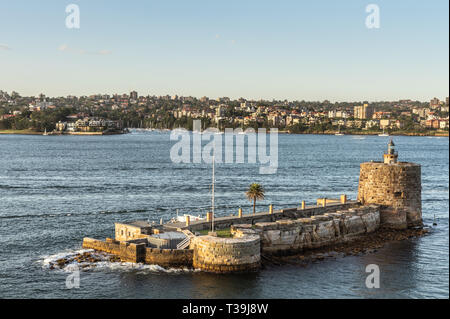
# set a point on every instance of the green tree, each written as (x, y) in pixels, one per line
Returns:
(255, 192)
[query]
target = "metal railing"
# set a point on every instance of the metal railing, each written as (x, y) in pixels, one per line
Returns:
(185, 242)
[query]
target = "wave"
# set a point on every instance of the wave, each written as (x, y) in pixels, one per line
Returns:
(102, 188)
(102, 263)
(12, 187)
(82, 187)
(66, 214)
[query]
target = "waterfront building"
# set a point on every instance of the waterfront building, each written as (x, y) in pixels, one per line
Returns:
(432, 123)
(332, 114)
(435, 103)
(220, 111)
(372, 123)
(87, 125)
(61, 126)
(385, 123)
(363, 112)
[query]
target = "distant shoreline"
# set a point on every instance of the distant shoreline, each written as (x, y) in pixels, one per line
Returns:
(432, 134)
(437, 134)
(29, 132)
(20, 132)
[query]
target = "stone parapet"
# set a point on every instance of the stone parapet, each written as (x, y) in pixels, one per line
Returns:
(109, 246)
(287, 213)
(293, 236)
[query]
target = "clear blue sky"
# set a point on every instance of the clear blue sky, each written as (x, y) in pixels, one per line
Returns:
(312, 50)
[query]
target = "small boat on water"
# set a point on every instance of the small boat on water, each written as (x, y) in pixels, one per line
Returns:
(191, 218)
(45, 132)
(383, 134)
(339, 133)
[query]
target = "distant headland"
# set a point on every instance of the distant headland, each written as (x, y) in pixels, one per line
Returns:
(27, 115)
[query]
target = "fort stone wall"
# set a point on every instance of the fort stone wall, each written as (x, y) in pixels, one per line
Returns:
(109, 246)
(293, 236)
(137, 252)
(169, 257)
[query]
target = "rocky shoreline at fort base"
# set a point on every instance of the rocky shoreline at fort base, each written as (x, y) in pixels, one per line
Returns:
(85, 259)
(367, 244)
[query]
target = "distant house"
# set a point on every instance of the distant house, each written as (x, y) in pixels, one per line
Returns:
(372, 123)
(385, 123)
(6, 116)
(88, 125)
(72, 117)
(433, 123)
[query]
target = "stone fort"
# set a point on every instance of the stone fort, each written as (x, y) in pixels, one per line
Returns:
(389, 196)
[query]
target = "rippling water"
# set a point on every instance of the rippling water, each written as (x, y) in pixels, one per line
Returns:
(56, 190)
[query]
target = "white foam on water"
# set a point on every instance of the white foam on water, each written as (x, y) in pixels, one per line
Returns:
(47, 261)
(104, 264)
(137, 267)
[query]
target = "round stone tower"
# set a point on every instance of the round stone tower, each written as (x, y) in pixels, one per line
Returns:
(222, 255)
(396, 186)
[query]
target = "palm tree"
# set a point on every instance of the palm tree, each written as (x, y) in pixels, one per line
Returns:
(255, 191)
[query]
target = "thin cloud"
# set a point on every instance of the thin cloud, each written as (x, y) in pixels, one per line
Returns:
(63, 47)
(66, 48)
(4, 47)
(104, 52)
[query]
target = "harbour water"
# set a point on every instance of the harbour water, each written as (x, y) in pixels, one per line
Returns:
(55, 190)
